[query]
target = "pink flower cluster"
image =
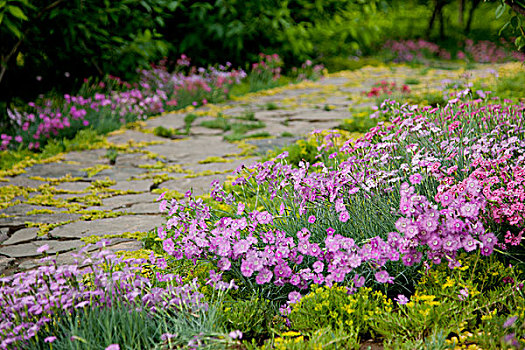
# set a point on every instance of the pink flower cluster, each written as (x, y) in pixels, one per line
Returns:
(408, 190)
(488, 52)
(414, 50)
(30, 300)
(385, 88)
(268, 65)
(120, 102)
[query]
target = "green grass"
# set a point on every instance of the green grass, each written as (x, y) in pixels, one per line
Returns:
(83, 140)
(271, 106)
(218, 123)
(412, 81)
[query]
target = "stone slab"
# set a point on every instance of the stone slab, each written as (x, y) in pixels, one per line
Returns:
(141, 208)
(21, 181)
(40, 218)
(73, 186)
(169, 121)
(226, 166)
(200, 185)
(134, 135)
(127, 200)
(30, 249)
(108, 226)
(54, 170)
(22, 236)
(196, 148)
(5, 263)
(133, 185)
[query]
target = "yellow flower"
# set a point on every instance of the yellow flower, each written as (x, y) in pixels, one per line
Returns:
(449, 283)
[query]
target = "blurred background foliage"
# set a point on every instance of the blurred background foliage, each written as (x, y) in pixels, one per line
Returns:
(55, 44)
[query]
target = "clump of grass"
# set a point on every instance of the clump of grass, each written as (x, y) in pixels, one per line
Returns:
(249, 116)
(161, 131)
(218, 123)
(188, 121)
(271, 106)
(241, 136)
(412, 81)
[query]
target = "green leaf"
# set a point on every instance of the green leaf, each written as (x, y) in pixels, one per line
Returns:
(500, 10)
(515, 22)
(13, 28)
(503, 28)
(520, 42)
(17, 12)
(1, 17)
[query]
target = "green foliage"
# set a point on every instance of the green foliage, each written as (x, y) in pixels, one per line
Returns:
(515, 20)
(84, 139)
(188, 120)
(252, 316)
(360, 121)
(335, 307)
(271, 106)
(301, 150)
(67, 40)
(96, 328)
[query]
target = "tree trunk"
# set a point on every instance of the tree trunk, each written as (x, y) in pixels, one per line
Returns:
(475, 4)
(461, 13)
(438, 9)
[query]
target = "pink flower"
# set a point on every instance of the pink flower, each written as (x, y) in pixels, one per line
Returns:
(383, 277)
(415, 179)
(43, 248)
(311, 219)
(344, 216)
(50, 339)
(113, 347)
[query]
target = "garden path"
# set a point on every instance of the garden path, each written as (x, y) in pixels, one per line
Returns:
(79, 197)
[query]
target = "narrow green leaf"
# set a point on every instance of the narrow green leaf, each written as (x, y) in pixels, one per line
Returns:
(500, 10)
(13, 28)
(17, 12)
(503, 28)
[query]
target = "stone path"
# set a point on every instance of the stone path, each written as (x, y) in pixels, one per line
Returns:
(80, 197)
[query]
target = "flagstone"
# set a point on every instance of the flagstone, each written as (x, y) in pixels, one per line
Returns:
(107, 226)
(22, 236)
(30, 249)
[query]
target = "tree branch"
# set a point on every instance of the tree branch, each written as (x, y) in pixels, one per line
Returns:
(516, 7)
(6, 59)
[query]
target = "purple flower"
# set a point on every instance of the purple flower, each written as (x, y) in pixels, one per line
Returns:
(43, 248)
(510, 321)
(359, 281)
(429, 223)
(401, 299)
(344, 216)
(469, 210)
(264, 276)
(294, 297)
(235, 334)
(169, 246)
(50, 339)
(241, 247)
(463, 294)
(469, 243)
(318, 267)
(383, 277)
(311, 219)
(415, 179)
(450, 243)
(264, 218)
(113, 347)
